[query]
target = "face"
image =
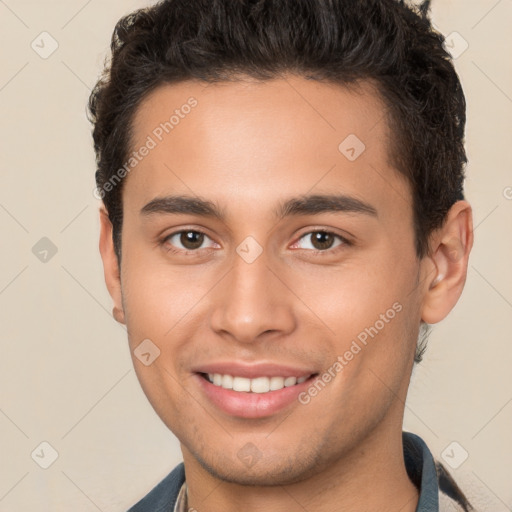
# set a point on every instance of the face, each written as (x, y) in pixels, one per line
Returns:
(295, 261)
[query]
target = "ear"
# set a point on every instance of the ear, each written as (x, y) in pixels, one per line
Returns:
(450, 248)
(110, 264)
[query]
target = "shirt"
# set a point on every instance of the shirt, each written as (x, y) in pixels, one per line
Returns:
(438, 492)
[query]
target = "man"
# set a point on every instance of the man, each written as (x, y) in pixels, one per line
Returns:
(283, 216)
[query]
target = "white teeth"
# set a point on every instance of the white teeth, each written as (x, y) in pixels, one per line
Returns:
(257, 385)
(276, 383)
(241, 384)
(260, 385)
(227, 382)
(290, 381)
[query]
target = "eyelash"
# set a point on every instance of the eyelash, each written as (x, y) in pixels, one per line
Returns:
(174, 250)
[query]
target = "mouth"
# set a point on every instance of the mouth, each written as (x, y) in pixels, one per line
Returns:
(260, 385)
(250, 398)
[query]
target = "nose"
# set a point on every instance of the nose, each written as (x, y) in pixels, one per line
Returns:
(253, 302)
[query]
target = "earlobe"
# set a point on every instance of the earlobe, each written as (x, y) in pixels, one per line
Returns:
(118, 315)
(451, 246)
(110, 265)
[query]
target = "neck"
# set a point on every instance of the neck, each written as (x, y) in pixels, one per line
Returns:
(370, 477)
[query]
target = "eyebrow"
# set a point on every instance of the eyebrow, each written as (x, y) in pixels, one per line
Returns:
(302, 205)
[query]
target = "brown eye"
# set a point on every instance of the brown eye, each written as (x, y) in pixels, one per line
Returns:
(323, 240)
(190, 240)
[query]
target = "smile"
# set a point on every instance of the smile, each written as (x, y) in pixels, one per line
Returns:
(256, 385)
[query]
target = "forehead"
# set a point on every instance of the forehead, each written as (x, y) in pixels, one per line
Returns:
(246, 140)
(304, 107)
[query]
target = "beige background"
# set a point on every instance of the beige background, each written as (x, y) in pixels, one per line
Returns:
(66, 376)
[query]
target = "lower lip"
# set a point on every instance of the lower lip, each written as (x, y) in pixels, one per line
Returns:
(251, 405)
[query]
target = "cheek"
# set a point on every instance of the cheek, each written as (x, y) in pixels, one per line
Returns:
(371, 317)
(351, 297)
(384, 351)
(158, 297)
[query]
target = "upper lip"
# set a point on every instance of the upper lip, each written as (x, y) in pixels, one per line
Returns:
(251, 371)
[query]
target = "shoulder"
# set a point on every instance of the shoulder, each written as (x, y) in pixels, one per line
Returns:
(451, 497)
(163, 496)
(438, 489)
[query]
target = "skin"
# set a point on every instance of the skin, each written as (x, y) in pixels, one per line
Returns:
(248, 146)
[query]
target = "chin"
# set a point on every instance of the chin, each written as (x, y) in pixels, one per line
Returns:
(285, 470)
